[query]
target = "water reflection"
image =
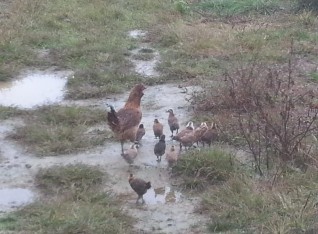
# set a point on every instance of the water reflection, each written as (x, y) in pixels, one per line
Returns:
(36, 88)
(161, 196)
(14, 197)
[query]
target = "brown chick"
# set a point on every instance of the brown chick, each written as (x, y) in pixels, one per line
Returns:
(173, 122)
(157, 128)
(190, 138)
(139, 186)
(187, 140)
(189, 129)
(210, 135)
(172, 156)
(124, 123)
(199, 131)
(130, 154)
(140, 133)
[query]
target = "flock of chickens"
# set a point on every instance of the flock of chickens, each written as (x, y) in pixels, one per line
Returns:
(125, 123)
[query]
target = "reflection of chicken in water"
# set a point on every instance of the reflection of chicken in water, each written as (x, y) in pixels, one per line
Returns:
(124, 123)
(139, 186)
(165, 194)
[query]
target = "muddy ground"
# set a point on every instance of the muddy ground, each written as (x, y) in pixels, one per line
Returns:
(167, 210)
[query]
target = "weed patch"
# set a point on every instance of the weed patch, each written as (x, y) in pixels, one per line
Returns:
(245, 204)
(59, 130)
(200, 168)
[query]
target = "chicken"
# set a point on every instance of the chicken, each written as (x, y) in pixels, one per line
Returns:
(130, 154)
(157, 128)
(124, 123)
(198, 132)
(160, 148)
(139, 186)
(172, 156)
(190, 138)
(173, 122)
(189, 129)
(140, 133)
(210, 135)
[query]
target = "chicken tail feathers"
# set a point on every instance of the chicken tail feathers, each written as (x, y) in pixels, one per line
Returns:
(112, 118)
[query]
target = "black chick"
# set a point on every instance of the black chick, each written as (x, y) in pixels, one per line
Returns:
(140, 133)
(139, 186)
(160, 148)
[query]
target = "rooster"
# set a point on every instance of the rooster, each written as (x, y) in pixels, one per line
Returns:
(139, 186)
(124, 123)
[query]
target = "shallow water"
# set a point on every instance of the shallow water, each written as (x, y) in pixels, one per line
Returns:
(34, 88)
(161, 196)
(14, 197)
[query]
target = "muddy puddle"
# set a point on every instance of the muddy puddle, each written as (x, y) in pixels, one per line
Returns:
(34, 88)
(11, 198)
(144, 57)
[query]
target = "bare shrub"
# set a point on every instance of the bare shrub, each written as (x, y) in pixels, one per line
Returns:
(268, 108)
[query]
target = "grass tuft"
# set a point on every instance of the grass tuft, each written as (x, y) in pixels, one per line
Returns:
(60, 179)
(59, 130)
(245, 204)
(201, 168)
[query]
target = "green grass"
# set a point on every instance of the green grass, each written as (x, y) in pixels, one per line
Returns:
(9, 112)
(86, 37)
(226, 8)
(205, 167)
(244, 204)
(77, 206)
(59, 179)
(59, 130)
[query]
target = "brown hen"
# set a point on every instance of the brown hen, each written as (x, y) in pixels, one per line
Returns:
(124, 123)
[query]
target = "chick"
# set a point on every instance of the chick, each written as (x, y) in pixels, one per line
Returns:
(189, 129)
(199, 131)
(160, 147)
(172, 156)
(139, 186)
(157, 128)
(173, 122)
(130, 154)
(210, 135)
(140, 133)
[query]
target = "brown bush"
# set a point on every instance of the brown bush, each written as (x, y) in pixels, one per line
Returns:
(267, 108)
